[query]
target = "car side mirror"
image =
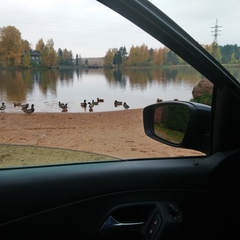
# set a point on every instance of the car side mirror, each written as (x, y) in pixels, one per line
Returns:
(179, 124)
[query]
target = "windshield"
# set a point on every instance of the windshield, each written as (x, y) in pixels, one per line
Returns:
(74, 79)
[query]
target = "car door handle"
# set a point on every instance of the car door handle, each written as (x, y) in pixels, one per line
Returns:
(112, 224)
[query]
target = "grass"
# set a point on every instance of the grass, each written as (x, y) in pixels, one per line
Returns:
(19, 155)
(169, 134)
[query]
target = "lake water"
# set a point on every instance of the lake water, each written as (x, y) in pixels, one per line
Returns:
(138, 88)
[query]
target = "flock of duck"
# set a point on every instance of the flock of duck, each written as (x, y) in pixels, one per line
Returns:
(25, 107)
(90, 105)
(64, 106)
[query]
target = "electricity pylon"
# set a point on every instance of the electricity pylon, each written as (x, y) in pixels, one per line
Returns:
(215, 48)
(216, 31)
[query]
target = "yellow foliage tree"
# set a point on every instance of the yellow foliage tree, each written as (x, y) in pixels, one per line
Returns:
(10, 46)
(138, 56)
(108, 59)
(40, 45)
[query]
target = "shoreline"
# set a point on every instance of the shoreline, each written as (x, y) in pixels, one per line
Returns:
(119, 134)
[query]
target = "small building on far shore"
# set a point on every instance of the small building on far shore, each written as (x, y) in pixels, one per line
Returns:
(93, 62)
(34, 55)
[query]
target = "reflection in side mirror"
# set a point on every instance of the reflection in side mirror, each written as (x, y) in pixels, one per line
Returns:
(179, 124)
(170, 122)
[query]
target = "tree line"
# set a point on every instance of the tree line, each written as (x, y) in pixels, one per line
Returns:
(15, 51)
(143, 56)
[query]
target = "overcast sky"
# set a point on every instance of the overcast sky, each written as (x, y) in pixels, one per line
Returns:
(89, 28)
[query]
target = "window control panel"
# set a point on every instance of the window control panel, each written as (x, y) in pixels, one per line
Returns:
(165, 220)
(153, 226)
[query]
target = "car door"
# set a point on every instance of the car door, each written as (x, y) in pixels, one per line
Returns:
(162, 198)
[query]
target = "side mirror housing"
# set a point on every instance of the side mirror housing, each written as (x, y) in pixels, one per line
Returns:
(179, 124)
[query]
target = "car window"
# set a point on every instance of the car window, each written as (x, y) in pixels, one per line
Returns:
(74, 85)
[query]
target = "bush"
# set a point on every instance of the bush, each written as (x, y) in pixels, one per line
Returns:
(204, 99)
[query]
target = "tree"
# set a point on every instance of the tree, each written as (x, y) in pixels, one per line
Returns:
(227, 51)
(26, 59)
(158, 57)
(52, 55)
(120, 56)
(10, 46)
(216, 51)
(233, 59)
(151, 55)
(48, 55)
(25, 46)
(109, 57)
(171, 58)
(60, 56)
(67, 57)
(40, 45)
(77, 63)
(138, 56)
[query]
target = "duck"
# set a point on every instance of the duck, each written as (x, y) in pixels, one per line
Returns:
(90, 106)
(159, 100)
(94, 103)
(17, 104)
(24, 106)
(100, 100)
(84, 104)
(125, 105)
(3, 107)
(64, 106)
(117, 103)
(60, 104)
(30, 110)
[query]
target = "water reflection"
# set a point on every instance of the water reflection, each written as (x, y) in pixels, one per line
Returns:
(137, 88)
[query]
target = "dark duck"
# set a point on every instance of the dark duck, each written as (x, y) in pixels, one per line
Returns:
(29, 110)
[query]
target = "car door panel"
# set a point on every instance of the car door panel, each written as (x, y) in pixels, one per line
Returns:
(75, 200)
(149, 199)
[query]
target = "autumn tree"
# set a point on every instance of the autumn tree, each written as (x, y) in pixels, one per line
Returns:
(52, 55)
(10, 46)
(47, 53)
(138, 56)
(216, 51)
(233, 59)
(26, 59)
(26, 46)
(109, 57)
(40, 45)
(158, 57)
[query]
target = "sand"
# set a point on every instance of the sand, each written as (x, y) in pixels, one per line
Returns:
(118, 134)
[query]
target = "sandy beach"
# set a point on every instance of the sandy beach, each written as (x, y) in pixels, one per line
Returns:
(118, 134)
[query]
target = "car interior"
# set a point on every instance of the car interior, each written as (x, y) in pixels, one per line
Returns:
(162, 198)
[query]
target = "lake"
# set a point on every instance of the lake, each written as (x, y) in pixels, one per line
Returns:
(138, 88)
